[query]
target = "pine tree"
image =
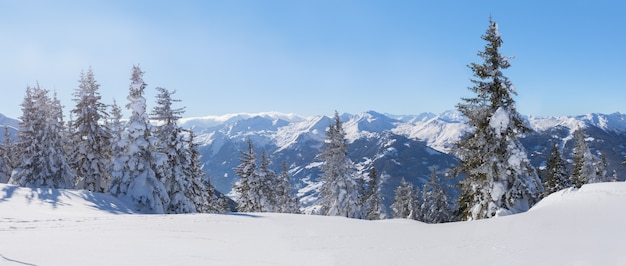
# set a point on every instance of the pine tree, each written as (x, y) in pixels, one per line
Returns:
(339, 195)
(601, 170)
(246, 170)
(177, 176)
(263, 187)
(556, 173)
(91, 147)
(202, 193)
(287, 201)
(404, 202)
(373, 206)
(222, 204)
(6, 153)
(57, 140)
(42, 161)
(119, 157)
(137, 182)
(204, 196)
(499, 178)
(10, 148)
(583, 169)
(435, 206)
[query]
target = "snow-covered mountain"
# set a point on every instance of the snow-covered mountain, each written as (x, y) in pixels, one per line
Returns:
(8, 123)
(398, 146)
(70, 227)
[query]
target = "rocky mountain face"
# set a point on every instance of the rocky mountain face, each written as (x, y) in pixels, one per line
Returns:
(398, 146)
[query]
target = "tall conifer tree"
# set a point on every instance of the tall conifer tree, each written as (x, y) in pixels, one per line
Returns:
(373, 206)
(246, 170)
(266, 187)
(42, 160)
(339, 195)
(583, 169)
(556, 176)
(6, 157)
(287, 201)
(202, 193)
(177, 176)
(137, 182)
(435, 206)
(405, 203)
(91, 148)
(499, 178)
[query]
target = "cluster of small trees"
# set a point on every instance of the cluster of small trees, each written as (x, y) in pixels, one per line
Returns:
(260, 189)
(586, 168)
(433, 206)
(343, 191)
(155, 168)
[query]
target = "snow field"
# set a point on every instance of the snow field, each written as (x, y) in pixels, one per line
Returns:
(68, 227)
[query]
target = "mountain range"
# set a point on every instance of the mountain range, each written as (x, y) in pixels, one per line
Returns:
(406, 146)
(398, 146)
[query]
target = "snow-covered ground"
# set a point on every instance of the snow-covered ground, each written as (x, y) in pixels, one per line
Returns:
(66, 227)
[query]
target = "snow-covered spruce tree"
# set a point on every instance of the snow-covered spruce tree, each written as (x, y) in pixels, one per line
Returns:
(339, 194)
(405, 203)
(119, 157)
(583, 169)
(222, 204)
(136, 182)
(42, 161)
(9, 144)
(435, 206)
(246, 170)
(31, 122)
(287, 201)
(556, 176)
(202, 193)
(92, 149)
(601, 170)
(373, 206)
(59, 136)
(177, 176)
(263, 186)
(499, 178)
(6, 155)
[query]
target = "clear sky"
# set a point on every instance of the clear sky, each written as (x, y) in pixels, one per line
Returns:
(314, 57)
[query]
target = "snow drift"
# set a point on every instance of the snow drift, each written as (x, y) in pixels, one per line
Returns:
(67, 227)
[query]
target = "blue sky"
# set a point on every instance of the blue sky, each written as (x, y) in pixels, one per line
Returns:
(314, 57)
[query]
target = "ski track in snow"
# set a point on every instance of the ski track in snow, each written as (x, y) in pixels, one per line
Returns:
(570, 227)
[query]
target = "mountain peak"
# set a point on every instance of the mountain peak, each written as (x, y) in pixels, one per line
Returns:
(210, 121)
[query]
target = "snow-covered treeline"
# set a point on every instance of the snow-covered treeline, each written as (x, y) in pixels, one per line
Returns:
(155, 169)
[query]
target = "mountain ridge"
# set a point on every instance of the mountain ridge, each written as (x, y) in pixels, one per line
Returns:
(398, 146)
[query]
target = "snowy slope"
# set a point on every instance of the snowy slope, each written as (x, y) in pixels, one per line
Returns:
(571, 227)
